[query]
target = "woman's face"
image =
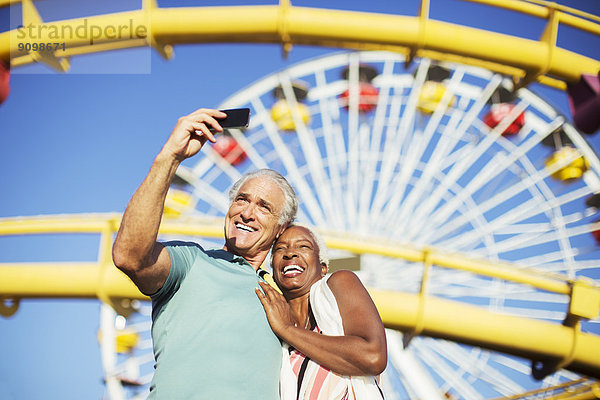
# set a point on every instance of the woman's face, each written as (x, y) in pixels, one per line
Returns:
(295, 262)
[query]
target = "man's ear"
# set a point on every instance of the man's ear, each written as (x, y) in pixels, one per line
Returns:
(323, 269)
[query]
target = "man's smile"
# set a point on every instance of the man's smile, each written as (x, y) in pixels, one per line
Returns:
(243, 227)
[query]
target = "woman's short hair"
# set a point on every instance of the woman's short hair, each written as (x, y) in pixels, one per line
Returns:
(323, 253)
(290, 204)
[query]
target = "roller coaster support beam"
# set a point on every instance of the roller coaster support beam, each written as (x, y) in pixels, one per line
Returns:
(550, 346)
(536, 340)
(580, 389)
(286, 24)
(532, 339)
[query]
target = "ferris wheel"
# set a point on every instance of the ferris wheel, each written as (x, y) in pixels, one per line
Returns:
(432, 180)
(439, 155)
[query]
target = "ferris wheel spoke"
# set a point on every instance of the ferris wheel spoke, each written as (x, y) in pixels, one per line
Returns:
(331, 135)
(529, 240)
(479, 178)
(467, 287)
(223, 165)
(583, 265)
(476, 217)
(213, 198)
(353, 159)
(287, 158)
(446, 142)
(310, 150)
(375, 147)
(403, 179)
(254, 157)
(548, 259)
(546, 315)
(476, 362)
(201, 168)
(129, 369)
(417, 381)
(398, 129)
(451, 206)
(448, 373)
(416, 152)
(526, 210)
(533, 181)
(502, 246)
(456, 171)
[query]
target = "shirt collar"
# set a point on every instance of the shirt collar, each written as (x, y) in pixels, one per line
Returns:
(225, 255)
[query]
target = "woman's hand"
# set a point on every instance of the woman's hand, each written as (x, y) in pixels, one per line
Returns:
(277, 309)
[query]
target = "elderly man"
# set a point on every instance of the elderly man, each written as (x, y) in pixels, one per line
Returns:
(211, 337)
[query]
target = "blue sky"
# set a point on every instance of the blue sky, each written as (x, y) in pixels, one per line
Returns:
(82, 142)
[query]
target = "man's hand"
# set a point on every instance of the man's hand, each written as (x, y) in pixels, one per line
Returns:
(277, 309)
(191, 132)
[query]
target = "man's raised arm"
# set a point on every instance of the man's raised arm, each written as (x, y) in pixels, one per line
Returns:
(136, 251)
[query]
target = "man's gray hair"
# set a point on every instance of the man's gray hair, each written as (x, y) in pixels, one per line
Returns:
(290, 204)
(323, 254)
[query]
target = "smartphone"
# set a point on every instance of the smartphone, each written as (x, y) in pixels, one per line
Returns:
(236, 118)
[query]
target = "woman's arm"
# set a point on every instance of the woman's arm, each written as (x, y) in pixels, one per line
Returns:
(361, 351)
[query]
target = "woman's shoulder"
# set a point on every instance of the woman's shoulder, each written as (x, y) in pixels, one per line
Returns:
(343, 281)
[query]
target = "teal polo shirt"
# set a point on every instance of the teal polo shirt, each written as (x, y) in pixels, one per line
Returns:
(210, 333)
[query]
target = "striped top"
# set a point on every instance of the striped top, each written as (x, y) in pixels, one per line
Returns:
(304, 379)
(318, 382)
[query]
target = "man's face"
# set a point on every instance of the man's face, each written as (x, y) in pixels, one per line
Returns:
(252, 222)
(295, 262)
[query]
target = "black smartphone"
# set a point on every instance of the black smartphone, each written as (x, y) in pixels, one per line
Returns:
(236, 118)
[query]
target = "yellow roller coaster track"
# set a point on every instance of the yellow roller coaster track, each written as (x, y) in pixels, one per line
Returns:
(524, 59)
(559, 346)
(580, 389)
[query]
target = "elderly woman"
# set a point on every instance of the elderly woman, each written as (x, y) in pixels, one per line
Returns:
(334, 340)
